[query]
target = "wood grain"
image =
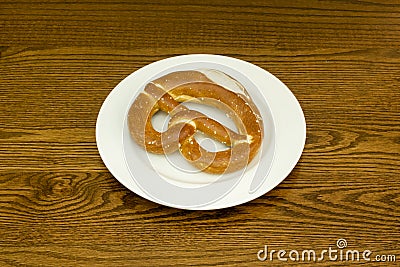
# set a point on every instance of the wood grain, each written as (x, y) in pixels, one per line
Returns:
(59, 206)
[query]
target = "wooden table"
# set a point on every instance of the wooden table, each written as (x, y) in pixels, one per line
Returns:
(61, 207)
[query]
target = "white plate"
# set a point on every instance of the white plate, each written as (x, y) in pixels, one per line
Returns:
(154, 178)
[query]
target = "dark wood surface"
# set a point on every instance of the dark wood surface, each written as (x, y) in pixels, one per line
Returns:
(59, 206)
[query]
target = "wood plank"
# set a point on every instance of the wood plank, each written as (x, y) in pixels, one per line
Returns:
(257, 24)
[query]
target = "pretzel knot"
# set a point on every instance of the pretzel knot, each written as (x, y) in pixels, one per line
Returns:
(167, 93)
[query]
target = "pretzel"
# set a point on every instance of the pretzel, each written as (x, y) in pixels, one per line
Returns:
(167, 93)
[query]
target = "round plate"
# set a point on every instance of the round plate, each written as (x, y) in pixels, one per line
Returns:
(154, 177)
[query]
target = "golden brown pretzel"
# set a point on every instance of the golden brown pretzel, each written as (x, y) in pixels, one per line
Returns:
(167, 92)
